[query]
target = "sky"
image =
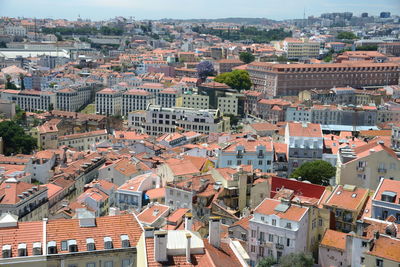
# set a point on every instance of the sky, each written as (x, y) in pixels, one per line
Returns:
(184, 9)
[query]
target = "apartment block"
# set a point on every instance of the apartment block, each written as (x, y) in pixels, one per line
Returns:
(290, 79)
(30, 100)
(157, 120)
(366, 165)
(247, 151)
(277, 228)
(386, 201)
(346, 202)
(108, 102)
(191, 100)
(136, 99)
(84, 241)
(305, 143)
(83, 141)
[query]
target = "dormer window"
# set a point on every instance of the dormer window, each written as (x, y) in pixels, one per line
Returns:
(6, 251)
(108, 243)
(72, 245)
(125, 241)
(37, 248)
(22, 250)
(90, 246)
(388, 196)
(52, 247)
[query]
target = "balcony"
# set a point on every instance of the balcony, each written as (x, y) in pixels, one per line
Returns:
(360, 169)
(381, 170)
(279, 246)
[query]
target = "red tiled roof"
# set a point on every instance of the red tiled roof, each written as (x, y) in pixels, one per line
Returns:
(293, 213)
(108, 226)
(334, 239)
(299, 188)
(156, 193)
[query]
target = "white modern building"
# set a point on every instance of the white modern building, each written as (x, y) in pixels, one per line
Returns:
(108, 102)
(157, 120)
(135, 99)
(30, 100)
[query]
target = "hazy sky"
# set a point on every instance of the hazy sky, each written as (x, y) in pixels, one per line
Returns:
(156, 9)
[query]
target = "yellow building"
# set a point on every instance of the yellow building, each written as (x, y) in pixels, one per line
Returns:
(300, 48)
(364, 166)
(195, 101)
(346, 203)
(228, 105)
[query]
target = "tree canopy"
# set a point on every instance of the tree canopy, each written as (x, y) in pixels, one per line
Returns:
(246, 57)
(290, 260)
(237, 79)
(317, 172)
(15, 140)
(296, 260)
(346, 35)
(266, 262)
(246, 33)
(205, 69)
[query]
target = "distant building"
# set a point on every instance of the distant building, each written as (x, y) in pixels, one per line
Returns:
(108, 102)
(305, 143)
(156, 120)
(135, 99)
(290, 79)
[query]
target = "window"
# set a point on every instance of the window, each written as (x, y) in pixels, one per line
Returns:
(273, 222)
(362, 259)
(288, 242)
(229, 162)
(64, 245)
(260, 162)
(239, 162)
(253, 248)
(364, 244)
(271, 238)
(91, 264)
(289, 225)
(125, 241)
(253, 233)
(379, 263)
(108, 264)
(319, 222)
(108, 243)
(90, 244)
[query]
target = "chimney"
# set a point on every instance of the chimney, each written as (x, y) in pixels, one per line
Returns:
(160, 246)
(148, 232)
(188, 238)
(188, 221)
(214, 231)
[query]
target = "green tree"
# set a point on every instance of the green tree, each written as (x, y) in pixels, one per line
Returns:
(317, 172)
(346, 35)
(15, 139)
(9, 83)
(367, 48)
(266, 262)
(21, 77)
(246, 57)
(296, 260)
(237, 79)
